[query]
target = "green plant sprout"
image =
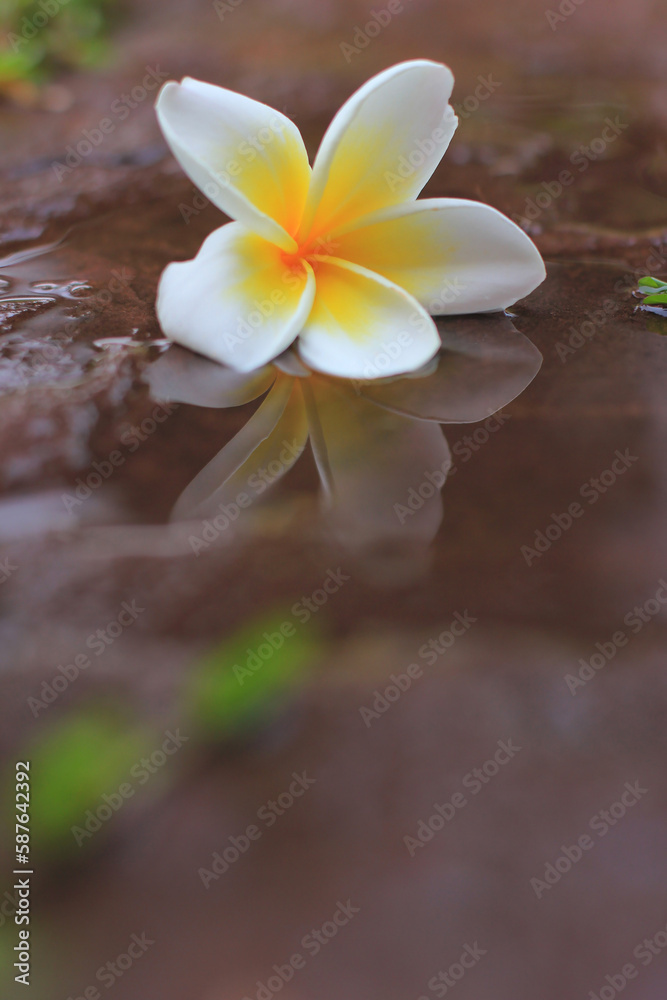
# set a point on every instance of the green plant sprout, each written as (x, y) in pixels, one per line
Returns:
(654, 291)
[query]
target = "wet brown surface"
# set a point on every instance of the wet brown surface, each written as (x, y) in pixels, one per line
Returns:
(601, 391)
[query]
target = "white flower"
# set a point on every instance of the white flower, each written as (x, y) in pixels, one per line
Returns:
(342, 257)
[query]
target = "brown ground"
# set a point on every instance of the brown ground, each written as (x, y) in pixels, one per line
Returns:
(504, 680)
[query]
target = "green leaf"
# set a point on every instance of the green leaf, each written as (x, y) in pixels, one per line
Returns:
(650, 282)
(72, 765)
(244, 681)
(649, 286)
(656, 300)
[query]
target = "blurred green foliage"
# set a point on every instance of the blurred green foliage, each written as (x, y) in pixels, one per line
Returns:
(82, 758)
(39, 38)
(72, 765)
(247, 679)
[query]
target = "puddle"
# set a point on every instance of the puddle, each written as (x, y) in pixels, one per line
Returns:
(75, 320)
(381, 457)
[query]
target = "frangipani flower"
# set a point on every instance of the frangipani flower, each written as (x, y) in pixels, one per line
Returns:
(340, 258)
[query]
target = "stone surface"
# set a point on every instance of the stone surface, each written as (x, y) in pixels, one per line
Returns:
(72, 388)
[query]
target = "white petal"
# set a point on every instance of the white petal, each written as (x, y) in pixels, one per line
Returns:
(265, 448)
(382, 146)
(363, 326)
(237, 301)
(455, 256)
(246, 157)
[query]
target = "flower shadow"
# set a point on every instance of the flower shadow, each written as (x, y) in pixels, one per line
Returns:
(380, 453)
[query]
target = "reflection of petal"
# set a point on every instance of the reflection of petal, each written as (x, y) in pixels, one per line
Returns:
(382, 471)
(484, 365)
(290, 364)
(259, 455)
(180, 376)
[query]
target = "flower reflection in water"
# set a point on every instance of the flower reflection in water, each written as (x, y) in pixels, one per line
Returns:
(377, 444)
